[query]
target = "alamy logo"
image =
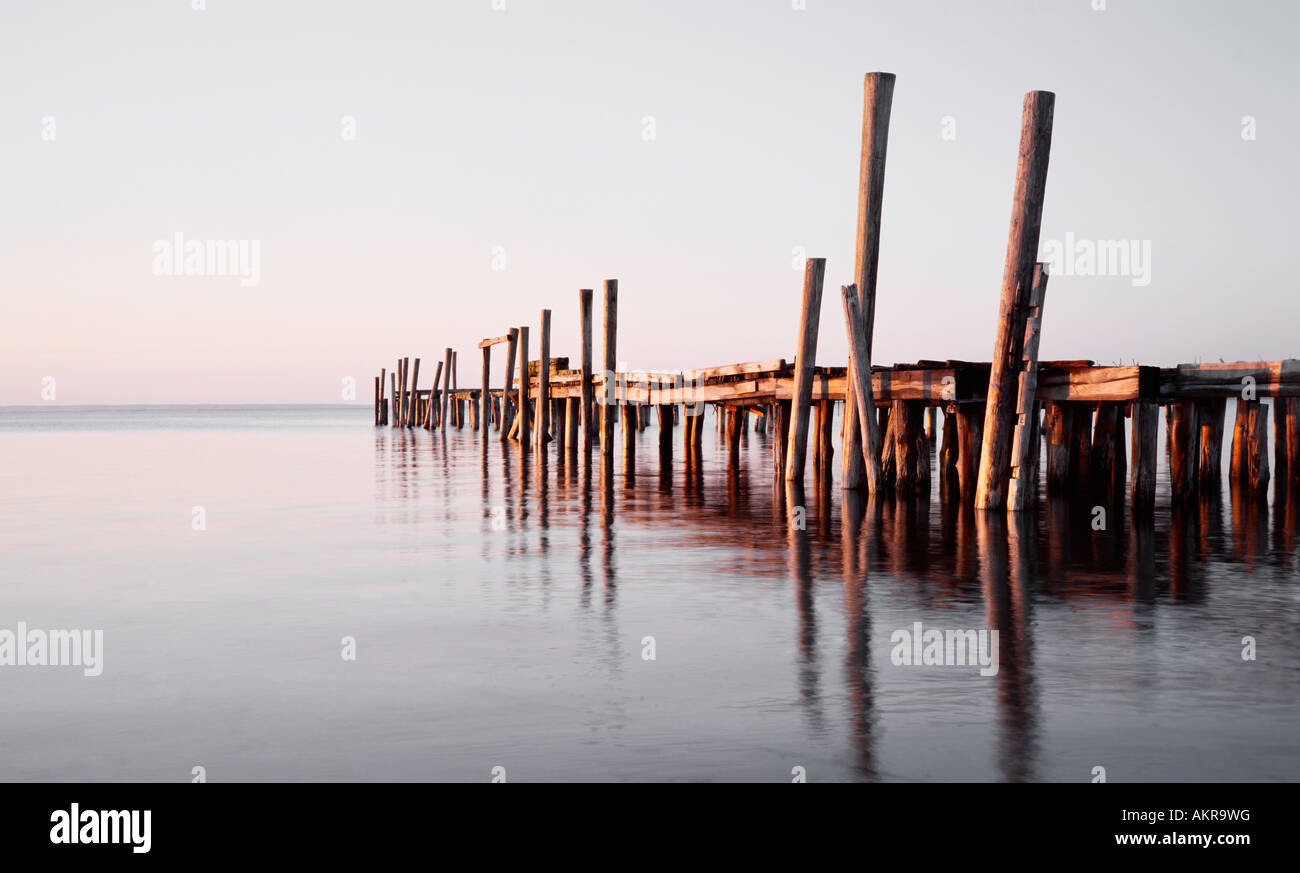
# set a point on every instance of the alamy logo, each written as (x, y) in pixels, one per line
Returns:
(213, 257)
(54, 648)
(91, 826)
(945, 648)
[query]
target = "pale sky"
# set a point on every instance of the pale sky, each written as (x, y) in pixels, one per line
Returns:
(126, 123)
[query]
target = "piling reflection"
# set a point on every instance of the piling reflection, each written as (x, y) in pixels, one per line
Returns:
(910, 554)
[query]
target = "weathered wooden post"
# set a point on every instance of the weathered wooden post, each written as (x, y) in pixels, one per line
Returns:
(905, 422)
(1106, 461)
(949, 453)
(447, 383)
(858, 396)
(664, 412)
(970, 424)
(415, 387)
(1024, 440)
(435, 398)
(1058, 425)
(629, 428)
(1142, 481)
(378, 381)
(584, 324)
(1183, 451)
(1209, 417)
(572, 418)
(1257, 448)
(485, 417)
(1287, 411)
(507, 413)
(404, 369)
(878, 98)
(1017, 284)
(524, 433)
(392, 406)
(608, 398)
(809, 314)
(544, 385)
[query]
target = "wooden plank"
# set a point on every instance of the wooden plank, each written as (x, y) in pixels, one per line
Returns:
(806, 343)
(1017, 283)
(496, 340)
(1270, 379)
(777, 365)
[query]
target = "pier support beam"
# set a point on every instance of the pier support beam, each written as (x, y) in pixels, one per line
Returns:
(1142, 479)
(970, 425)
(1209, 418)
(485, 395)
(1184, 452)
(1017, 284)
(809, 316)
(447, 383)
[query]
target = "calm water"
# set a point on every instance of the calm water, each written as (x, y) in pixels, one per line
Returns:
(501, 619)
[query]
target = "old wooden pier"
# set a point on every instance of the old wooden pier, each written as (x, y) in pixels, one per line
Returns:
(999, 416)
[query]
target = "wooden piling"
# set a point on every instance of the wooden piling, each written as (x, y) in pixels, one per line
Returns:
(949, 452)
(906, 422)
(1017, 284)
(878, 98)
(628, 426)
(405, 374)
(508, 412)
(412, 405)
(1080, 445)
(1183, 451)
(447, 384)
(378, 382)
(809, 315)
(970, 424)
(544, 384)
(572, 419)
(608, 399)
(485, 397)
(1106, 461)
(665, 415)
(1024, 445)
(1142, 479)
(435, 406)
(523, 412)
(584, 326)
(859, 403)
(1209, 418)
(392, 406)
(1286, 441)
(1257, 448)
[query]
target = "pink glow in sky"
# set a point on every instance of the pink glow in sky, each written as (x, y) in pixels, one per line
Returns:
(524, 131)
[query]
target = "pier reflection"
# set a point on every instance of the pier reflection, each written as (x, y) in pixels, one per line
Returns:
(604, 524)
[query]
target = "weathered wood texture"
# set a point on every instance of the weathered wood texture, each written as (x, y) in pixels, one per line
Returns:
(877, 101)
(1017, 283)
(806, 342)
(1024, 443)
